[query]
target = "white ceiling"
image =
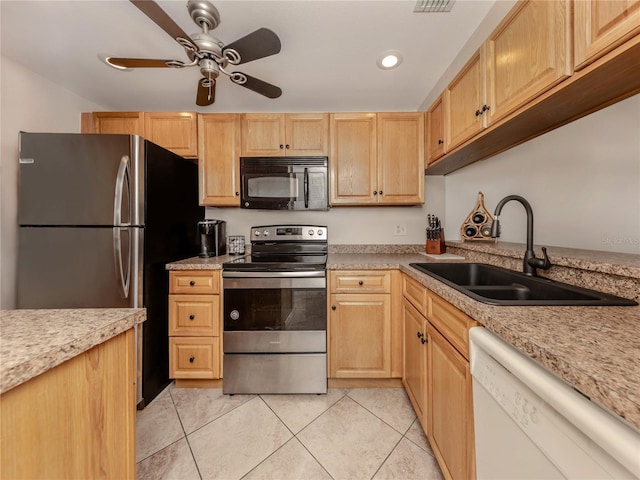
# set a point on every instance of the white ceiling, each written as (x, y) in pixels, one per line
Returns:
(327, 62)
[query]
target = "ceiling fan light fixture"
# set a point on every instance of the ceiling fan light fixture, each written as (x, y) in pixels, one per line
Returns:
(389, 59)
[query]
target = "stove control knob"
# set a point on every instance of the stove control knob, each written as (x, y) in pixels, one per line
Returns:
(311, 233)
(320, 232)
(265, 233)
(257, 233)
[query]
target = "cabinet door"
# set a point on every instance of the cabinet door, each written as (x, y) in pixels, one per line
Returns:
(450, 426)
(600, 26)
(263, 135)
(360, 336)
(401, 158)
(175, 131)
(415, 359)
(435, 131)
(352, 166)
(129, 123)
(307, 134)
(464, 99)
(527, 54)
(219, 164)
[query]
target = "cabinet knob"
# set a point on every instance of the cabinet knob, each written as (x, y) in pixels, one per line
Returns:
(281, 146)
(478, 113)
(333, 307)
(485, 108)
(192, 283)
(420, 334)
(380, 192)
(423, 340)
(192, 359)
(440, 142)
(237, 194)
(360, 282)
(192, 316)
(287, 147)
(375, 192)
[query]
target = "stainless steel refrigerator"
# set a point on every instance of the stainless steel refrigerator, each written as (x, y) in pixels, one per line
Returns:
(99, 217)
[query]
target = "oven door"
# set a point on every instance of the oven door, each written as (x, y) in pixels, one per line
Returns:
(275, 314)
(281, 184)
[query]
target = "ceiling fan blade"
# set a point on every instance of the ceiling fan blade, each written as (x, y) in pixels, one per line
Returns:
(206, 94)
(142, 62)
(257, 85)
(152, 10)
(259, 44)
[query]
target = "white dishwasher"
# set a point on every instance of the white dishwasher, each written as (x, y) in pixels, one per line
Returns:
(529, 424)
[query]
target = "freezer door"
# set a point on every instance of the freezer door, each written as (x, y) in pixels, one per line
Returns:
(79, 267)
(76, 179)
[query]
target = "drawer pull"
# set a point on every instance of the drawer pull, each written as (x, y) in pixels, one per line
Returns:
(192, 359)
(192, 283)
(333, 307)
(360, 282)
(192, 316)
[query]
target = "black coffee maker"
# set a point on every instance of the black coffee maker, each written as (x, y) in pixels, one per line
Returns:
(213, 238)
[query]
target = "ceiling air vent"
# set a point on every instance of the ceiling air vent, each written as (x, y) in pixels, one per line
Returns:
(429, 6)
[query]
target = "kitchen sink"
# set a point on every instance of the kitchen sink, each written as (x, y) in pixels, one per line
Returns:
(499, 286)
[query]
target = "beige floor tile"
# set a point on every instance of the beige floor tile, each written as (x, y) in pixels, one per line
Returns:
(157, 426)
(388, 404)
(409, 462)
(291, 462)
(172, 462)
(298, 411)
(349, 441)
(417, 436)
(199, 406)
(232, 445)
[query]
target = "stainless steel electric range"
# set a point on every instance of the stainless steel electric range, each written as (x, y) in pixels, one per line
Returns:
(275, 313)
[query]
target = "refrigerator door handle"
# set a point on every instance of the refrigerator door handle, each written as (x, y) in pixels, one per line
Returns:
(123, 276)
(121, 178)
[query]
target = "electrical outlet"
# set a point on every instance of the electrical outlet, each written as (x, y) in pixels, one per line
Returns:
(400, 230)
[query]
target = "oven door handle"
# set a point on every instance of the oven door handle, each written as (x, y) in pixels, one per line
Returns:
(306, 188)
(309, 274)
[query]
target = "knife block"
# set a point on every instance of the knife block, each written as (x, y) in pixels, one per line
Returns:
(436, 247)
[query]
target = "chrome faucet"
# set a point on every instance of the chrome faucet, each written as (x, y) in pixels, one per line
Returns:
(530, 262)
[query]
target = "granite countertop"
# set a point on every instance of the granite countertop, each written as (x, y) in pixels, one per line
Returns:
(595, 349)
(34, 341)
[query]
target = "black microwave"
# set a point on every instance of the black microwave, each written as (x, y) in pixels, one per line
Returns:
(284, 183)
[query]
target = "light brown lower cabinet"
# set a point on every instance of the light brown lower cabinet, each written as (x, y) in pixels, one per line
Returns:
(437, 378)
(76, 420)
(194, 325)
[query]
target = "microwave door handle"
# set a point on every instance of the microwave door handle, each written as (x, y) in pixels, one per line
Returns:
(306, 188)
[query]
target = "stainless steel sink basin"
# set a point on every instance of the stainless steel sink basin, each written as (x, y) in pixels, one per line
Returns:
(499, 286)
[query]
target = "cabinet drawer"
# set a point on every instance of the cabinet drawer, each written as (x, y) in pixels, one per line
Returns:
(364, 281)
(416, 293)
(194, 357)
(194, 315)
(205, 281)
(453, 324)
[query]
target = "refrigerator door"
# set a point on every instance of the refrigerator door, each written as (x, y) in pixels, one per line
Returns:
(76, 179)
(79, 267)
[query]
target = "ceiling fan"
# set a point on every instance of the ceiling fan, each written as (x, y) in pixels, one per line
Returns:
(206, 51)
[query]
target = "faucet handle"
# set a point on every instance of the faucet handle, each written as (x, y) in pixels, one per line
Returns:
(543, 263)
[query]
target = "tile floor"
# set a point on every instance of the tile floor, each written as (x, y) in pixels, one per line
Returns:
(356, 433)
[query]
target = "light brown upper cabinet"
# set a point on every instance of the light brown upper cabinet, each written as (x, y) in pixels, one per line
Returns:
(352, 164)
(527, 54)
(377, 159)
(435, 131)
(175, 131)
(600, 26)
(464, 100)
(280, 134)
(219, 163)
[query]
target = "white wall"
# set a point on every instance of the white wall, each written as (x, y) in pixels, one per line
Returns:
(582, 180)
(29, 103)
(348, 225)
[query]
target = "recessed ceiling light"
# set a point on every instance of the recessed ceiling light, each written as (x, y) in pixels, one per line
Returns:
(389, 59)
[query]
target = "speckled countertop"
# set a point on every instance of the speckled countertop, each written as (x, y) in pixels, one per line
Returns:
(595, 349)
(34, 341)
